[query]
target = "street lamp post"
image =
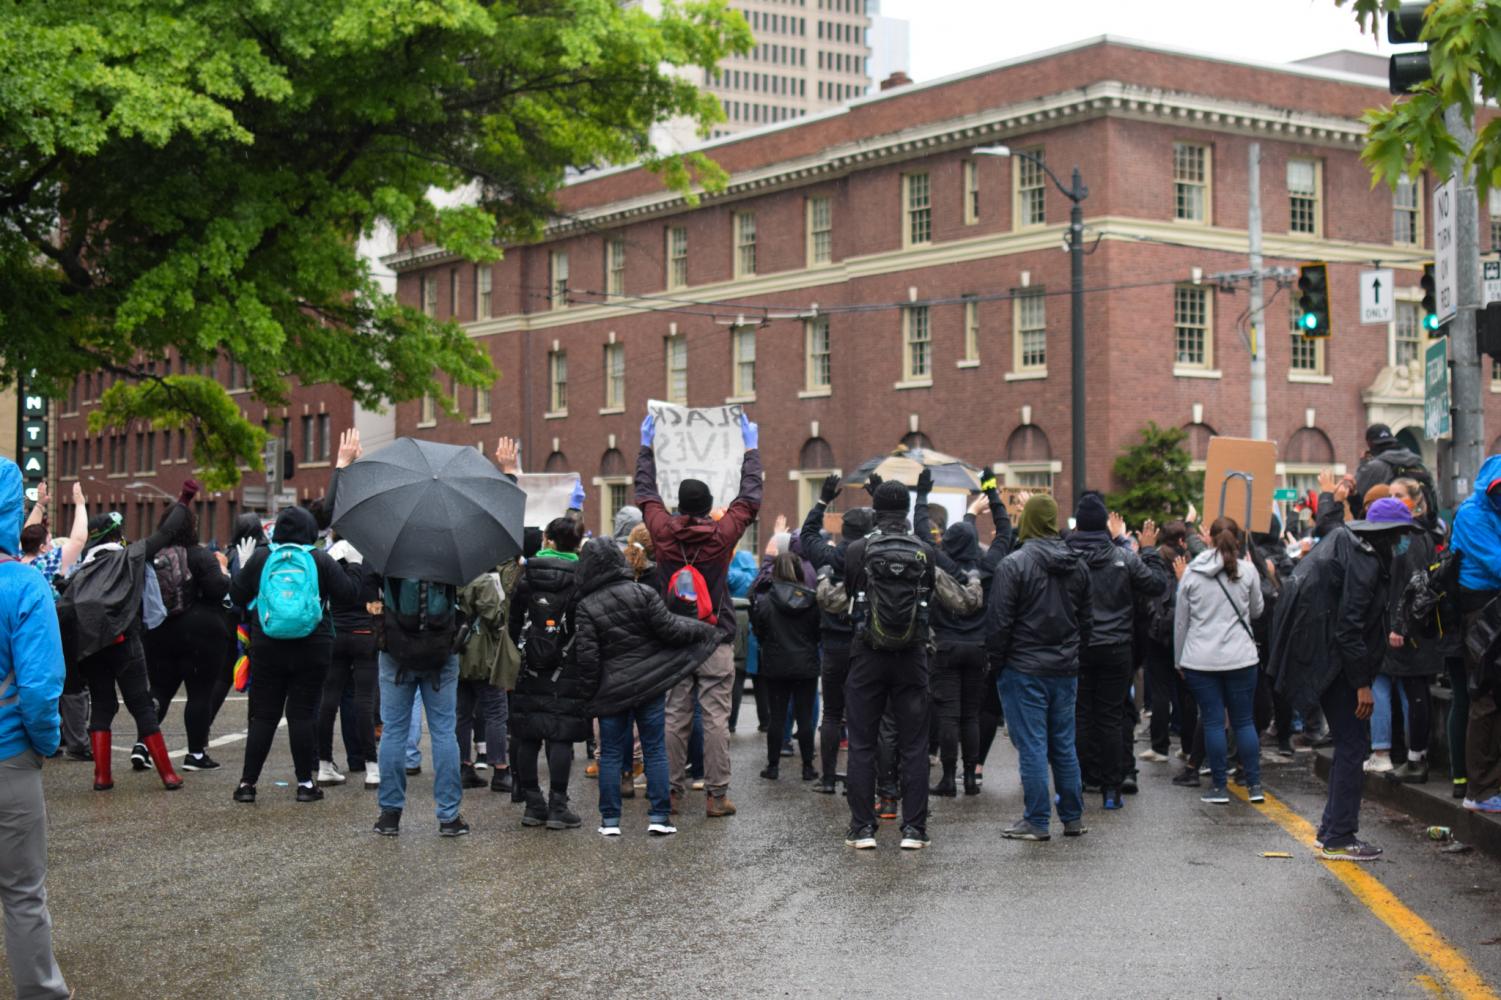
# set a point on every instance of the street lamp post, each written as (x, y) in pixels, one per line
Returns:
(1075, 193)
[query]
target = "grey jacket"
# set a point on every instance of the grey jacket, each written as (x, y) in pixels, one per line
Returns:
(1211, 625)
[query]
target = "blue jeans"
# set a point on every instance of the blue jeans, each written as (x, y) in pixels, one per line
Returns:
(1381, 714)
(1216, 691)
(1040, 718)
(398, 698)
(414, 735)
(614, 734)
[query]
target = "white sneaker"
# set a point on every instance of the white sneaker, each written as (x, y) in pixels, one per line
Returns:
(328, 774)
(1378, 763)
(609, 831)
(480, 755)
(660, 829)
(372, 777)
(1152, 756)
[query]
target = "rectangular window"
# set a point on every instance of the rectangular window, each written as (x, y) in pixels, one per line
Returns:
(558, 284)
(1493, 207)
(484, 277)
(918, 203)
(1407, 211)
(429, 295)
(1031, 338)
(614, 376)
(1192, 340)
(557, 381)
(182, 445)
(1031, 194)
(820, 231)
(677, 369)
(615, 266)
(1307, 352)
(428, 414)
(1303, 196)
(971, 329)
(818, 367)
(743, 346)
(745, 244)
(971, 193)
(1407, 333)
(481, 404)
(1190, 182)
(324, 433)
(308, 444)
(453, 293)
(677, 257)
(917, 353)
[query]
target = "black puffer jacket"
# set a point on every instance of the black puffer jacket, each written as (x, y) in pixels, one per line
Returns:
(548, 702)
(785, 619)
(838, 630)
(1117, 577)
(630, 648)
(1039, 615)
(959, 555)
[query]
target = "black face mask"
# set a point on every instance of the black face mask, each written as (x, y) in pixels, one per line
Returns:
(1383, 543)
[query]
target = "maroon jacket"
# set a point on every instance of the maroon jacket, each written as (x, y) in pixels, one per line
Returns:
(678, 539)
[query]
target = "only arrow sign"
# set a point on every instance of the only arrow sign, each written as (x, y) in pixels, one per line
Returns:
(1375, 307)
(1376, 290)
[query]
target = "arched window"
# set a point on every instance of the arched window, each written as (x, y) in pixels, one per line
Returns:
(1029, 459)
(557, 462)
(917, 439)
(815, 460)
(1307, 453)
(1197, 441)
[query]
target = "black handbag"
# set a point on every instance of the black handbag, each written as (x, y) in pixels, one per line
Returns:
(1482, 643)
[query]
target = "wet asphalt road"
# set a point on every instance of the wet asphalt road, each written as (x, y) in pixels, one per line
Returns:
(192, 895)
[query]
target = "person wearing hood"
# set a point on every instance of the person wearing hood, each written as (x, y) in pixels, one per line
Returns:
(31, 677)
(101, 614)
(631, 651)
(1118, 579)
(785, 620)
(1477, 539)
(1038, 619)
(1386, 459)
(889, 664)
(627, 519)
(1167, 687)
(692, 537)
(352, 664)
(1214, 646)
(1327, 642)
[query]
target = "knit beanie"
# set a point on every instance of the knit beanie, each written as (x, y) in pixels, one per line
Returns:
(1091, 514)
(1039, 519)
(891, 497)
(694, 498)
(858, 523)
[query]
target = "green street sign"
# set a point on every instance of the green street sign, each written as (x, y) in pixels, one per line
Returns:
(1287, 493)
(1436, 390)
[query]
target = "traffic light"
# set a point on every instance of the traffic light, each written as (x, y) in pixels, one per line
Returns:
(1488, 331)
(1430, 303)
(288, 465)
(1313, 300)
(1407, 70)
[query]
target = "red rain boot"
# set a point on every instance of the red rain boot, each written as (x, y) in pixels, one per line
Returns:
(100, 742)
(158, 748)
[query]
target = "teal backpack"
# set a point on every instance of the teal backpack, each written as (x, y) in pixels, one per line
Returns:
(289, 605)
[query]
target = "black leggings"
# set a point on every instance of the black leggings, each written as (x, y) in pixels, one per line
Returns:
(992, 717)
(559, 764)
(352, 660)
(195, 650)
(286, 675)
(1419, 711)
(958, 692)
(800, 692)
(123, 664)
(835, 668)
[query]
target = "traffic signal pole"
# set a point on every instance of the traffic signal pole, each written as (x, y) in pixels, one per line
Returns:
(1258, 320)
(1468, 445)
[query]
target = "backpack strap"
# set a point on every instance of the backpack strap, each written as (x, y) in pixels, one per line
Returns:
(1233, 607)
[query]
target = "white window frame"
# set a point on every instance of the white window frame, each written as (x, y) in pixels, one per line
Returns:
(820, 212)
(1406, 305)
(742, 390)
(971, 179)
(615, 267)
(1206, 363)
(1183, 182)
(614, 377)
(1493, 210)
(1317, 197)
(484, 291)
(482, 411)
(557, 383)
(745, 244)
(1021, 325)
(917, 320)
(813, 385)
(607, 508)
(917, 209)
(1408, 216)
(429, 295)
(557, 281)
(809, 483)
(677, 257)
(670, 356)
(427, 412)
(1023, 195)
(1296, 340)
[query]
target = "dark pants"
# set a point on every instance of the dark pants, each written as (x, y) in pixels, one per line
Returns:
(799, 693)
(836, 667)
(123, 664)
(876, 678)
(1352, 743)
(1459, 715)
(288, 679)
(1104, 678)
(958, 691)
(353, 661)
(194, 650)
(991, 715)
(1168, 689)
(1483, 736)
(559, 765)
(888, 755)
(484, 716)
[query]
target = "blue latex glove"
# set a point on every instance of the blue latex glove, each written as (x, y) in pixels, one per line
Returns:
(749, 433)
(576, 501)
(648, 430)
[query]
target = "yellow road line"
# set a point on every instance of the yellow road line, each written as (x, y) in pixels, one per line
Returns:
(1456, 977)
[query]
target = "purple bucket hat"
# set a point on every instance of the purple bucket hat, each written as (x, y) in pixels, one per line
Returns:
(1385, 514)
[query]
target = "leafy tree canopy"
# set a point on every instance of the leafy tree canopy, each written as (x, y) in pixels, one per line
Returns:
(191, 176)
(1158, 482)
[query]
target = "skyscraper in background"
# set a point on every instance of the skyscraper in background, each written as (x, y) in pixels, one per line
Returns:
(890, 44)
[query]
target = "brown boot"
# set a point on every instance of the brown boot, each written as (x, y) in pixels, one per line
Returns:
(158, 748)
(719, 805)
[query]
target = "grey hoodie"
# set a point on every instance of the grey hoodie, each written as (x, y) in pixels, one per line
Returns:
(1212, 626)
(626, 519)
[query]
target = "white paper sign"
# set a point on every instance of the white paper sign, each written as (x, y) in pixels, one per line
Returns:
(547, 495)
(701, 443)
(1376, 296)
(1492, 278)
(1445, 251)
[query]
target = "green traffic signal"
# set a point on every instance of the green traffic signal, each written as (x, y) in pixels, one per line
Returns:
(1430, 301)
(1313, 300)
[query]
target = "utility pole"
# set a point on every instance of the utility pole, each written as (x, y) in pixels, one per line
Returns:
(1468, 444)
(1258, 339)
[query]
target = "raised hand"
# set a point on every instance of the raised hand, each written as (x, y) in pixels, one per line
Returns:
(925, 481)
(576, 500)
(349, 448)
(871, 484)
(649, 430)
(1326, 481)
(1180, 566)
(506, 451)
(750, 433)
(1116, 524)
(79, 499)
(1147, 536)
(780, 525)
(830, 488)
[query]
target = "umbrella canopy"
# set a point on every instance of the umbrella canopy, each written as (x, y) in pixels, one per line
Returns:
(905, 464)
(419, 510)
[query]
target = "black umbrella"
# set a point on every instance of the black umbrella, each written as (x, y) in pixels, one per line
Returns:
(419, 510)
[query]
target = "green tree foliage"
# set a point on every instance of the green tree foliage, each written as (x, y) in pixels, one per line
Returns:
(1158, 482)
(190, 177)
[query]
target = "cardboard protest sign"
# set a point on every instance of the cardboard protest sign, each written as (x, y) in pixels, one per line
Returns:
(547, 495)
(700, 442)
(1258, 459)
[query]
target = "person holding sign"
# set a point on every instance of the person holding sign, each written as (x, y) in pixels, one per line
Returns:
(693, 554)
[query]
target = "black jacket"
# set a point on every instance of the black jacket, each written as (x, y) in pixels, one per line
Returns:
(1330, 620)
(550, 697)
(837, 629)
(630, 648)
(1117, 577)
(959, 555)
(336, 581)
(1331, 514)
(889, 523)
(785, 620)
(1381, 467)
(1420, 656)
(1039, 614)
(354, 616)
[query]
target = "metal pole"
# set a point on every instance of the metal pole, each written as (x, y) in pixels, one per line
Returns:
(1076, 332)
(1469, 415)
(1258, 324)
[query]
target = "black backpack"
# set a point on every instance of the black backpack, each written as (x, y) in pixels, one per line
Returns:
(895, 598)
(174, 578)
(548, 640)
(100, 603)
(421, 623)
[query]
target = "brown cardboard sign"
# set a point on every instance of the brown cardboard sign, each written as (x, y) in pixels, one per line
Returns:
(1258, 459)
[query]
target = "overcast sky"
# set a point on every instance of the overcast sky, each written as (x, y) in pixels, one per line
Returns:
(949, 36)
